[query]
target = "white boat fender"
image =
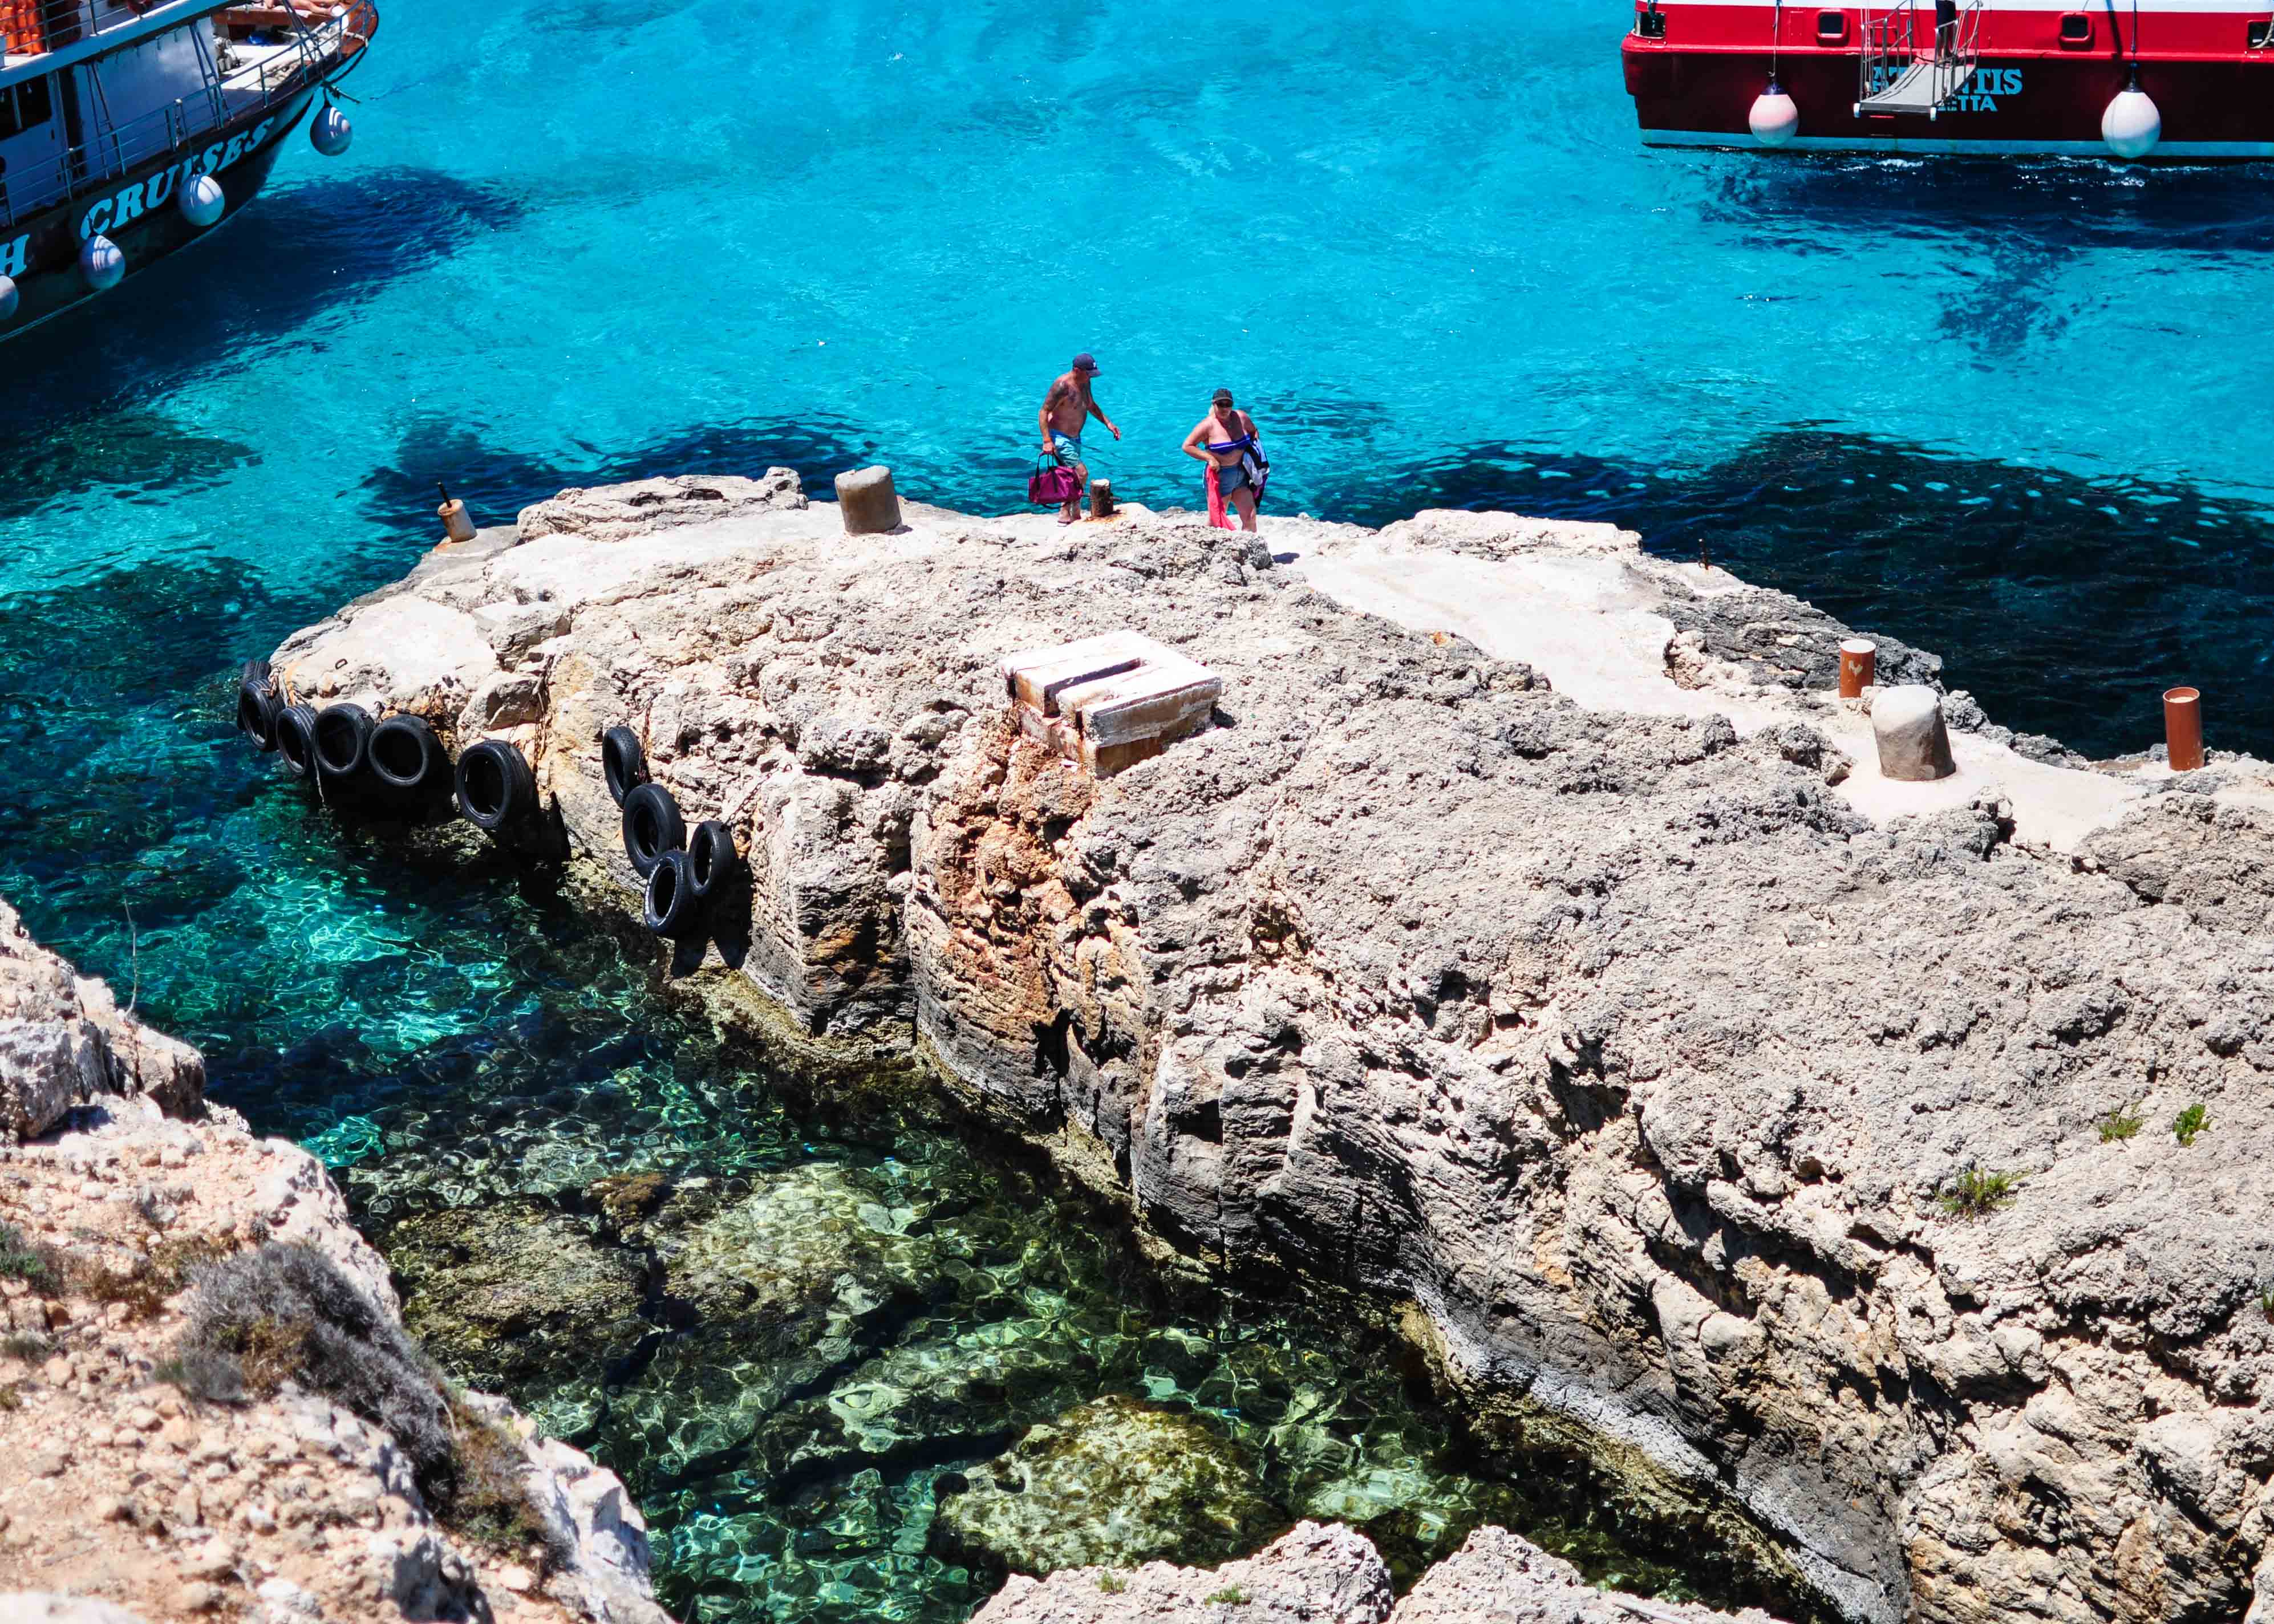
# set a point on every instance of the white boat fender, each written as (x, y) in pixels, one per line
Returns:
(9, 297)
(1775, 116)
(102, 263)
(329, 132)
(2132, 125)
(202, 201)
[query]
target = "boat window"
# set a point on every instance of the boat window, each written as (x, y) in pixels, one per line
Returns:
(1830, 27)
(2259, 35)
(24, 107)
(2076, 29)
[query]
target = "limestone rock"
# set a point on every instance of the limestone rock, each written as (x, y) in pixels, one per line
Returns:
(612, 513)
(39, 1607)
(1914, 741)
(1502, 1578)
(1577, 1029)
(1312, 1575)
(1114, 1482)
(64, 1040)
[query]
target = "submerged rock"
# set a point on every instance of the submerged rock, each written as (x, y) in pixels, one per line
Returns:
(514, 1295)
(1116, 1482)
(813, 1251)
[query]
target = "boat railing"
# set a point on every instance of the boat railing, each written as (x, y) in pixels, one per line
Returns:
(1898, 73)
(31, 27)
(313, 53)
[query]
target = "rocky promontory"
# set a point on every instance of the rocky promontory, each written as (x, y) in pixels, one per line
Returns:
(1879, 1171)
(207, 1407)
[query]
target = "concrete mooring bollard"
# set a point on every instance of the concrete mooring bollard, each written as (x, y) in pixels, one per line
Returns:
(1859, 667)
(1101, 499)
(871, 506)
(1914, 743)
(456, 526)
(2183, 729)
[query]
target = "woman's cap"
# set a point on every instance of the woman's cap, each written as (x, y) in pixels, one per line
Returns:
(1223, 397)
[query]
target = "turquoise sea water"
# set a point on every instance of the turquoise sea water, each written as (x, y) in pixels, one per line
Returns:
(2015, 414)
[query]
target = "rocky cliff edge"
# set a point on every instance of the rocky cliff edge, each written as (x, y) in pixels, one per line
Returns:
(121, 1497)
(1902, 1181)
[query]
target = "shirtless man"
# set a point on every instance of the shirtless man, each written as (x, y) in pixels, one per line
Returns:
(1066, 412)
(1222, 440)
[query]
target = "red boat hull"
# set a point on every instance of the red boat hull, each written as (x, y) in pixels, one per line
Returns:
(2031, 93)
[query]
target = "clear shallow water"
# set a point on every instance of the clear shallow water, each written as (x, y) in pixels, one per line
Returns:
(2016, 415)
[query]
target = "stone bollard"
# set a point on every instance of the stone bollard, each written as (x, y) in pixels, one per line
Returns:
(1914, 743)
(456, 525)
(1101, 499)
(870, 504)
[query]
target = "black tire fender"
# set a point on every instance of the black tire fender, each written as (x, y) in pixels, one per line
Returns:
(296, 739)
(259, 704)
(342, 740)
(653, 826)
(672, 905)
(622, 763)
(711, 858)
(495, 786)
(406, 757)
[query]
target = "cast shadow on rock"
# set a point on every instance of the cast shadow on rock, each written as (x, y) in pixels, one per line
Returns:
(725, 925)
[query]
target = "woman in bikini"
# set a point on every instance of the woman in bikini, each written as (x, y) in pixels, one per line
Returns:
(1226, 441)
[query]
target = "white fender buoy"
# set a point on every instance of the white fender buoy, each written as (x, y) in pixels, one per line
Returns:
(203, 201)
(1775, 116)
(102, 263)
(9, 297)
(2132, 125)
(329, 132)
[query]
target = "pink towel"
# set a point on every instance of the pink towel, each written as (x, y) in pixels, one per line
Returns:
(1217, 516)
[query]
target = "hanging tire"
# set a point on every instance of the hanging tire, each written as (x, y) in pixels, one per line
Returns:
(672, 905)
(296, 739)
(342, 741)
(623, 762)
(495, 786)
(407, 758)
(710, 859)
(653, 826)
(259, 704)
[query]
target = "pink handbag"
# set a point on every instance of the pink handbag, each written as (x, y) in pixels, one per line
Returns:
(1052, 484)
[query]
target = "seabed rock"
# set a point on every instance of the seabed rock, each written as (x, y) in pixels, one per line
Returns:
(1115, 1482)
(512, 1294)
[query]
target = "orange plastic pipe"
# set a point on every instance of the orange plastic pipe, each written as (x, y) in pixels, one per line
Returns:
(2183, 729)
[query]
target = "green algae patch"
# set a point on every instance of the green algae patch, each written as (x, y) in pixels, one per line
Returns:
(1114, 1483)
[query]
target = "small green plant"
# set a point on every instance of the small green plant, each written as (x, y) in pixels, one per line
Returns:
(1231, 1596)
(23, 1259)
(1111, 1583)
(10, 1399)
(26, 1345)
(2266, 1303)
(2120, 1123)
(1977, 1193)
(2189, 1123)
(483, 1496)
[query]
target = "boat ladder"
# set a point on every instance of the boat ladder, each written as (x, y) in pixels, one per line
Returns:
(1899, 75)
